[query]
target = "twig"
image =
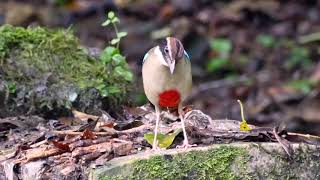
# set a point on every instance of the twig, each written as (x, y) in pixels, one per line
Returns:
(128, 131)
(39, 143)
(121, 140)
(39, 153)
(73, 133)
(309, 38)
(304, 135)
(285, 144)
(136, 129)
(105, 147)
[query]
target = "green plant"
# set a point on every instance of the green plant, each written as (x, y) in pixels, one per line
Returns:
(222, 48)
(113, 20)
(12, 87)
(299, 56)
(265, 40)
(112, 58)
(303, 85)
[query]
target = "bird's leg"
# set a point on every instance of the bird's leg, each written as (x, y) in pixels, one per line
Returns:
(155, 141)
(185, 141)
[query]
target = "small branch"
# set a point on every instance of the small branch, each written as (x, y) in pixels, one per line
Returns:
(304, 135)
(39, 143)
(137, 129)
(309, 38)
(73, 133)
(285, 144)
(38, 153)
(128, 131)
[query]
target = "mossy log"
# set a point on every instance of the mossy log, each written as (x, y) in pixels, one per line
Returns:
(221, 161)
(48, 71)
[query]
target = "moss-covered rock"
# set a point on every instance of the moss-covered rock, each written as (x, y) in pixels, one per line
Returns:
(230, 161)
(42, 70)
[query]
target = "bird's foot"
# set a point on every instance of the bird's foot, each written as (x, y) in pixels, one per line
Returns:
(186, 145)
(156, 149)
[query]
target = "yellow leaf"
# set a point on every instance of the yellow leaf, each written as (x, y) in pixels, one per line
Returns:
(164, 140)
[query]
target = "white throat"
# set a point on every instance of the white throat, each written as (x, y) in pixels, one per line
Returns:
(160, 56)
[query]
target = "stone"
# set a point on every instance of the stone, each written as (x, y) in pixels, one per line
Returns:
(220, 161)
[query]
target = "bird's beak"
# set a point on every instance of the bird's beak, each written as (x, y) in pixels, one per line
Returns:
(172, 66)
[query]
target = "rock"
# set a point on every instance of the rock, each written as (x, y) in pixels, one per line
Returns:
(45, 71)
(221, 161)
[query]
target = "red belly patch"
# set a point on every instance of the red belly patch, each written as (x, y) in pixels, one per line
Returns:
(169, 98)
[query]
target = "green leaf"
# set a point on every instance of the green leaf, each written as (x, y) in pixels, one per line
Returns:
(118, 59)
(217, 64)
(106, 23)
(299, 56)
(111, 15)
(101, 86)
(115, 20)
(303, 85)
(115, 41)
(266, 40)
(119, 70)
(164, 140)
(104, 92)
(122, 34)
(113, 90)
(108, 53)
(221, 45)
(128, 76)
(12, 87)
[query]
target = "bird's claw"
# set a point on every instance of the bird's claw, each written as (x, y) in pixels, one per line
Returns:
(186, 145)
(156, 148)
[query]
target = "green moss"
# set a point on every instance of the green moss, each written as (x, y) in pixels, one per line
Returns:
(50, 69)
(237, 161)
(213, 164)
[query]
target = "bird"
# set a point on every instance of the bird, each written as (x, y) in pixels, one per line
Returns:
(167, 80)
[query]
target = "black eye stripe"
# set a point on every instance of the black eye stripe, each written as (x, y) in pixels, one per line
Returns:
(164, 49)
(177, 50)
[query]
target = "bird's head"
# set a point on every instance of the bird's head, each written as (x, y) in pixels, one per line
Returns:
(170, 50)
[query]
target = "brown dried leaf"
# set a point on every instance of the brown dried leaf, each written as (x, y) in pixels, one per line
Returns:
(87, 134)
(109, 125)
(83, 116)
(61, 146)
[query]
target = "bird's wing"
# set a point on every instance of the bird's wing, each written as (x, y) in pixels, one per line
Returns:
(147, 55)
(186, 55)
